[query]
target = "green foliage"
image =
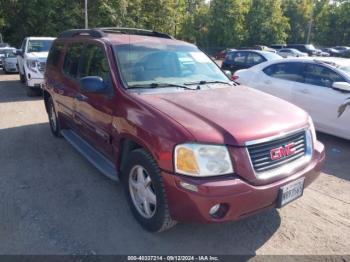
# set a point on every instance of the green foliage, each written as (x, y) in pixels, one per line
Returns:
(215, 23)
(266, 23)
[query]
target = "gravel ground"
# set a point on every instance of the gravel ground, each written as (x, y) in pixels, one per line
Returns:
(52, 201)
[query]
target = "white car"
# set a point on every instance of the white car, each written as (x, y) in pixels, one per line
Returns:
(31, 59)
(319, 86)
(291, 52)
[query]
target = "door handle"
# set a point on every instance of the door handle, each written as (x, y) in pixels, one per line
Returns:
(80, 97)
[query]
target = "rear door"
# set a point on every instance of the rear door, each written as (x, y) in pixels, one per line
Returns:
(279, 79)
(95, 111)
(320, 100)
(68, 87)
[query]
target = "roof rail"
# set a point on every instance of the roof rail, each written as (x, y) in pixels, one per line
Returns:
(133, 31)
(82, 32)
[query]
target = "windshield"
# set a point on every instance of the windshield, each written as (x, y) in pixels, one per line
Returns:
(346, 69)
(10, 54)
(143, 64)
(310, 47)
(39, 45)
(272, 56)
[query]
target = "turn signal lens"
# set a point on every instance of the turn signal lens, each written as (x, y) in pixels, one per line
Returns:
(202, 160)
(186, 160)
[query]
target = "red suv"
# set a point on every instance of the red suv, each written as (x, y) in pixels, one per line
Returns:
(188, 144)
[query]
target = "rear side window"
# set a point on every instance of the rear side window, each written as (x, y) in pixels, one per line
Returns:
(286, 71)
(239, 58)
(71, 61)
(254, 59)
(95, 63)
(55, 54)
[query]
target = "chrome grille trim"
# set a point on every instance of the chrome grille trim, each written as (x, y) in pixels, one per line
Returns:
(285, 165)
(41, 66)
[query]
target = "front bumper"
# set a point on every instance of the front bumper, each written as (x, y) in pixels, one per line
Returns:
(243, 199)
(12, 68)
(35, 82)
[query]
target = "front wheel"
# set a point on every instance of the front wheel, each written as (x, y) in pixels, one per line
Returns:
(145, 192)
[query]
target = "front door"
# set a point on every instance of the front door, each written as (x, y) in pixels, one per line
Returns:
(95, 110)
(321, 101)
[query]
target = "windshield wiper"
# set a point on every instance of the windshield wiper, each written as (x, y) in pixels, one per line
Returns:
(204, 82)
(159, 85)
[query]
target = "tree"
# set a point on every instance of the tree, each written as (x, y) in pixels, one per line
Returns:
(299, 13)
(228, 23)
(266, 23)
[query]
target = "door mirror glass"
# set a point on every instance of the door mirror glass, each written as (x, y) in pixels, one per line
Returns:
(343, 86)
(228, 73)
(93, 84)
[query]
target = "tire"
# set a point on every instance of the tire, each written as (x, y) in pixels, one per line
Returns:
(31, 92)
(141, 164)
(23, 80)
(53, 119)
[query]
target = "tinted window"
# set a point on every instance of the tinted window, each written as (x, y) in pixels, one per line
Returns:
(55, 54)
(239, 58)
(95, 63)
(71, 61)
(254, 59)
(287, 71)
(320, 75)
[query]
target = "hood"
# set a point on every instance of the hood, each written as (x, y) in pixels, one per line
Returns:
(231, 115)
(42, 56)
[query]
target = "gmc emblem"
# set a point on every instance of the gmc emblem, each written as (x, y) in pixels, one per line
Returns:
(283, 151)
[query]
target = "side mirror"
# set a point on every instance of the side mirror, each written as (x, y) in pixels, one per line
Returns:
(93, 84)
(18, 52)
(228, 73)
(342, 86)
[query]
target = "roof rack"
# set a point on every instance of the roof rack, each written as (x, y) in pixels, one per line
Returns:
(133, 31)
(101, 32)
(82, 32)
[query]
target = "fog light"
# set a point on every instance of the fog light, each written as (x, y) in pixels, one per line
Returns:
(219, 210)
(214, 209)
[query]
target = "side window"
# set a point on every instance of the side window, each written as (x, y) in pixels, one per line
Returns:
(55, 54)
(286, 71)
(239, 58)
(321, 76)
(95, 63)
(254, 59)
(71, 61)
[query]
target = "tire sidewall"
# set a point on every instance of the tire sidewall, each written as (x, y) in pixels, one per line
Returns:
(55, 131)
(140, 157)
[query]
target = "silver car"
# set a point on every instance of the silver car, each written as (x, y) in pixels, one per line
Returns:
(9, 62)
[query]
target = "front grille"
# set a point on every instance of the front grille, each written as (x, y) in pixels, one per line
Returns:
(41, 66)
(260, 154)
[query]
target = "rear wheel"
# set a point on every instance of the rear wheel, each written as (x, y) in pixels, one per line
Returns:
(53, 119)
(145, 192)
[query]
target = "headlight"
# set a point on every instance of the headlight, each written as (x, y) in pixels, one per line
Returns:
(202, 160)
(32, 64)
(312, 129)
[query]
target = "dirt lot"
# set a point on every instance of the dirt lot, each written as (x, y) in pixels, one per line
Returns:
(52, 201)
